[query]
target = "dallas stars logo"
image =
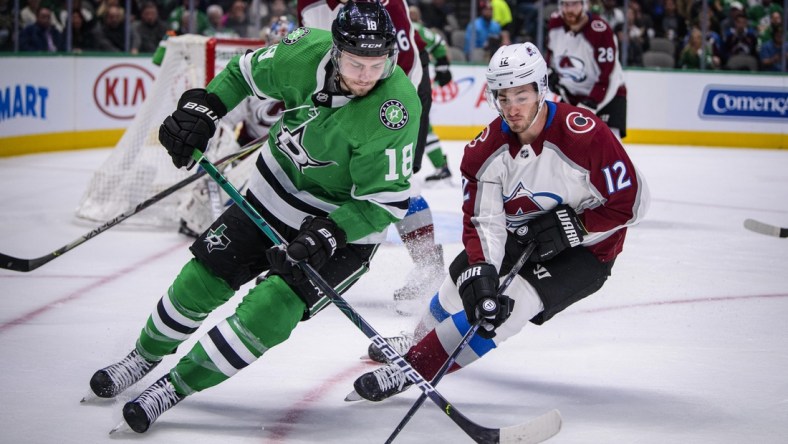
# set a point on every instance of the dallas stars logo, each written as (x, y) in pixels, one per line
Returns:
(216, 239)
(393, 114)
(291, 145)
(296, 35)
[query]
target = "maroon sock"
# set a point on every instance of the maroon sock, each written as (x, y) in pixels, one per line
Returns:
(428, 356)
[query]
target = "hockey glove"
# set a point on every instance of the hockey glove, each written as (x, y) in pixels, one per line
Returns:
(442, 72)
(589, 104)
(553, 232)
(317, 240)
(478, 285)
(191, 125)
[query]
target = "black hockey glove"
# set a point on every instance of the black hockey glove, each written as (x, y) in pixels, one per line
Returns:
(317, 240)
(554, 84)
(478, 285)
(589, 104)
(442, 72)
(552, 80)
(553, 232)
(191, 125)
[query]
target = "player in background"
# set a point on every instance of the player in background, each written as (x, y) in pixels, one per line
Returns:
(542, 172)
(255, 117)
(582, 52)
(332, 176)
(435, 50)
(416, 230)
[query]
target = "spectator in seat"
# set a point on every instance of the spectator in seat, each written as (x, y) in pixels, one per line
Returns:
(237, 19)
(176, 19)
(502, 14)
(612, 14)
(671, 25)
(696, 48)
(81, 38)
(741, 40)
(41, 35)
(110, 34)
(216, 26)
(770, 50)
(150, 27)
(487, 32)
(6, 25)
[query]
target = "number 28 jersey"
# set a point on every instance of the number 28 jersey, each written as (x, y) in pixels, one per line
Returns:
(329, 154)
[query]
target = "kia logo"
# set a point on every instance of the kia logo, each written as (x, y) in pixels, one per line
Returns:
(120, 90)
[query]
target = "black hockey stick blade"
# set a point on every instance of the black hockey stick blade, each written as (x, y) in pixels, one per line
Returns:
(764, 228)
(24, 265)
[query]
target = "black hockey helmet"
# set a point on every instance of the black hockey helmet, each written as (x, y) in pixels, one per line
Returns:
(364, 28)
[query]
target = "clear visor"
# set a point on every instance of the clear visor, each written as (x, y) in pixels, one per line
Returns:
(503, 99)
(500, 99)
(365, 69)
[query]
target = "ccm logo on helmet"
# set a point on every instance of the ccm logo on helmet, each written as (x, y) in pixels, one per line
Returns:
(371, 45)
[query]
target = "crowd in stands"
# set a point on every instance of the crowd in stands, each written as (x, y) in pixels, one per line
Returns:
(738, 35)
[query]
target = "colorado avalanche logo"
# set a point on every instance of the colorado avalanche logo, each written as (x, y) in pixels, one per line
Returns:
(521, 204)
(579, 123)
(598, 26)
(572, 67)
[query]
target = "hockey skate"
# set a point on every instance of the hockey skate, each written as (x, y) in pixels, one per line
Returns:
(380, 384)
(140, 413)
(400, 344)
(440, 174)
(111, 381)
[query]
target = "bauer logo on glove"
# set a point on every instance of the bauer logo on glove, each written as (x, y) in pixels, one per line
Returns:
(201, 109)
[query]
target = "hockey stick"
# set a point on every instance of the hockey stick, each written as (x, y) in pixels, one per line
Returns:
(464, 343)
(517, 433)
(17, 264)
(764, 228)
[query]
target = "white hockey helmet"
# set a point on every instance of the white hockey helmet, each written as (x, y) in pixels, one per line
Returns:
(561, 2)
(516, 65)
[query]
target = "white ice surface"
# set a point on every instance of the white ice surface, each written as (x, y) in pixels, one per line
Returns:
(686, 343)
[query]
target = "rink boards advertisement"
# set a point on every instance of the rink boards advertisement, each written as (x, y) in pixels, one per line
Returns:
(51, 103)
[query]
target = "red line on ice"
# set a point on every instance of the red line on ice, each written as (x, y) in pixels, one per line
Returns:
(284, 425)
(27, 317)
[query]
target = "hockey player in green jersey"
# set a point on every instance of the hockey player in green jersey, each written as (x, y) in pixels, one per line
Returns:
(333, 175)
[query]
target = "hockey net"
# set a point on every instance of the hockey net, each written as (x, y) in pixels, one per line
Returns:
(139, 166)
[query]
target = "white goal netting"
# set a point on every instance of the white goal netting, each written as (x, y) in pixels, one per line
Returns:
(139, 167)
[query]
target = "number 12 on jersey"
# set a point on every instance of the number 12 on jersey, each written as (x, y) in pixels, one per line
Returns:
(406, 162)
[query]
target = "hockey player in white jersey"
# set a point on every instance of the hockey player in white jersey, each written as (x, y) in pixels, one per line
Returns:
(542, 172)
(582, 52)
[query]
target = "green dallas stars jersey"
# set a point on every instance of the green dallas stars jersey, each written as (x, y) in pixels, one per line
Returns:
(348, 157)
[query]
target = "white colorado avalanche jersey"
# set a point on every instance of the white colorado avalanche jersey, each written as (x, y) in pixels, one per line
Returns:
(576, 160)
(586, 61)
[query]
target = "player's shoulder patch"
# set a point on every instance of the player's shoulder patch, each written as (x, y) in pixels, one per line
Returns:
(578, 123)
(598, 25)
(393, 114)
(295, 35)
